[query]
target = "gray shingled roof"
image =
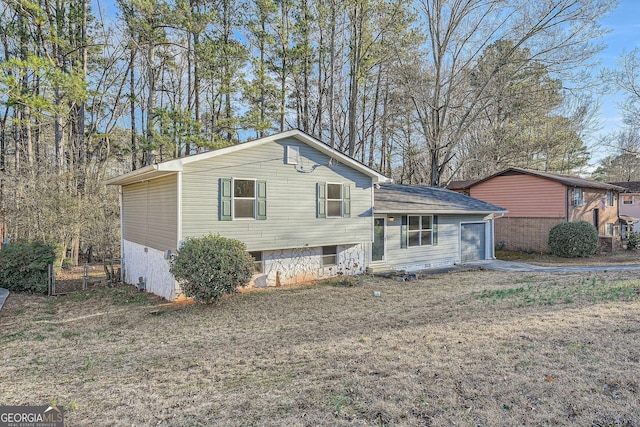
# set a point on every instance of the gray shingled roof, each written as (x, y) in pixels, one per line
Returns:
(398, 198)
(630, 186)
(568, 180)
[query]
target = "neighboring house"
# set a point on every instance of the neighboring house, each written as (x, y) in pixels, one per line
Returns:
(537, 201)
(629, 206)
(304, 210)
(461, 186)
(418, 227)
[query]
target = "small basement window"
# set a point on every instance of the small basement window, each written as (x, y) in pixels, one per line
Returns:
(329, 255)
(258, 266)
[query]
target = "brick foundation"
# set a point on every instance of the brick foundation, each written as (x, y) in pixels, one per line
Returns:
(524, 234)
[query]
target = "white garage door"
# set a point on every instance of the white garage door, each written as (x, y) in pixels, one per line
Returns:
(472, 241)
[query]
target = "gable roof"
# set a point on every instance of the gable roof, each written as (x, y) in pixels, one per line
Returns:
(461, 185)
(176, 165)
(629, 187)
(567, 180)
(398, 198)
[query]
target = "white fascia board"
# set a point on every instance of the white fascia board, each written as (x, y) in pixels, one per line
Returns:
(176, 165)
(437, 211)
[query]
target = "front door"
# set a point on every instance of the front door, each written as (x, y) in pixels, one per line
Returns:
(377, 249)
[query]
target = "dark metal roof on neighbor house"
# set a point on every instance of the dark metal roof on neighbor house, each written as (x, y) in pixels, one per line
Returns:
(630, 186)
(398, 198)
(461, 185)
(568, 180)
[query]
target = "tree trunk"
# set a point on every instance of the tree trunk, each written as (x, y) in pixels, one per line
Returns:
(132, 108)
(354, 80)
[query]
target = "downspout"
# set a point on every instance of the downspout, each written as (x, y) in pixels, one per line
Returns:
(178, 229)
(566, 218)
(492, 226)
(179, 213)
(367, 255)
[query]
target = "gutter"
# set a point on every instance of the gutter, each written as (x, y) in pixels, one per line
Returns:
(132, 174)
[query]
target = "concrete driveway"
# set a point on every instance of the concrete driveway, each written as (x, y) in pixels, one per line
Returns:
(521, 267)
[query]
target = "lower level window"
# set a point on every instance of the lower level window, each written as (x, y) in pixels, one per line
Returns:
(257, 262)
(329, 255)
(610, 229)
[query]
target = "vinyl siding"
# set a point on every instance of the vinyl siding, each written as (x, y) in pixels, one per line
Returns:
(524, 195)
(633, 209)
(291, 199)
(447, 251)
(150, 213)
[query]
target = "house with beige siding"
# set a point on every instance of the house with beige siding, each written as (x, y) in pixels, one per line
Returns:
(629, 206)
(304, 211)
(536, 201)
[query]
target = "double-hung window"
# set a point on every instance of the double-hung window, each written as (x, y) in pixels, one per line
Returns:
(627, 200)
(333, 200)
(242, 199)
(577, 197)
(609, 198)
(420, 231)
(609, 230)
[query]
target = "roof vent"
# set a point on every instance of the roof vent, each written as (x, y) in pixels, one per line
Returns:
(293, 155)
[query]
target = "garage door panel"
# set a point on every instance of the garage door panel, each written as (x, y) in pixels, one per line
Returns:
(472, 242)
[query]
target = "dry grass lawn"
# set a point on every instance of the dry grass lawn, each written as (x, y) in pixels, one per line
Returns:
(468, 348)
(616, 257)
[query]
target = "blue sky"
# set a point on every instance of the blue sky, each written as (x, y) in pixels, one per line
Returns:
(624, 23)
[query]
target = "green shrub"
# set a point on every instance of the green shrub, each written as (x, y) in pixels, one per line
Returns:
(633, 241)
(211, 266)
(573, 239)
(24, 266)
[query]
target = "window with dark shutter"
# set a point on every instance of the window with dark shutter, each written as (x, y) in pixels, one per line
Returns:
(242, 199)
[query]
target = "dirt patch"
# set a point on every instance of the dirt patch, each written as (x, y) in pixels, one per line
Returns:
(473, 348)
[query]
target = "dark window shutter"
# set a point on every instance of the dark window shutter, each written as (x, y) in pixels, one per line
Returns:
(261, 196)
(225, 199)
(435, 230)
(403, 232)
(346, 197)
(321, 190)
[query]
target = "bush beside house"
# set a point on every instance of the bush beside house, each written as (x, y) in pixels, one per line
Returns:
(211, 266)
(573, 239)
(24, 266)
